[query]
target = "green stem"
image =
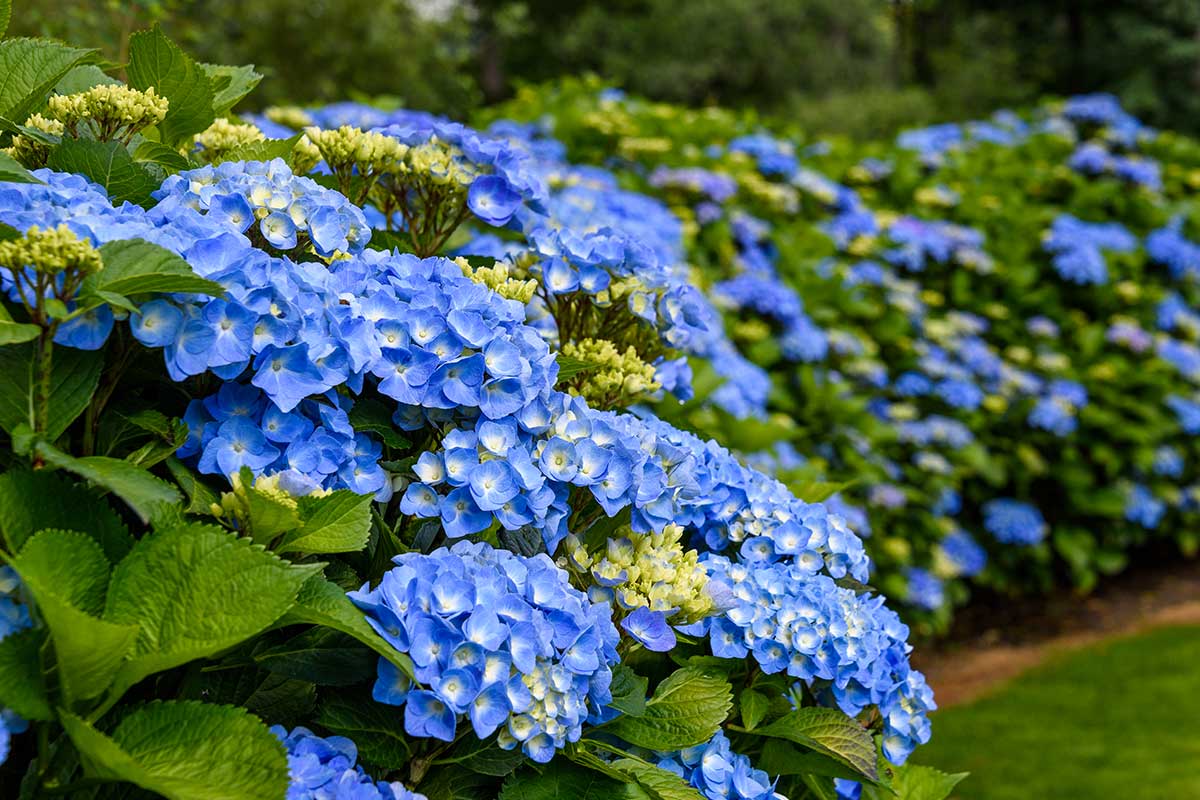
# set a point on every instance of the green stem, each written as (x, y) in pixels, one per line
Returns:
(45, 372)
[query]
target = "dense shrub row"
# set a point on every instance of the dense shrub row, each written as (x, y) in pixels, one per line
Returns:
(329, 471)
(984, 333)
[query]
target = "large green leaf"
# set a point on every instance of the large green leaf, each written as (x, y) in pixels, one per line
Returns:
(200, 497)
(915, 782)
(5, 16)
(185, 750)
(32, 500)
(339, 522)
(323, 603)
(230, 84)
(560, 780)
(628, 691)
(134, 266)
(73, 379)
(12, 171)
(108, 164)
(377, 729)
(484, 756)
(89, 650)
(156, 61)
(321, 656)
(657, 783)
(29, 69)
(143, 492)
(265, 150)
(829, 732)
(22, 687)
(196, 590)
(167, 157)
(82, 78)
(687, 708)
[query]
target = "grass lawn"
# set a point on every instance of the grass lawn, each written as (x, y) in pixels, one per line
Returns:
(1115, 721)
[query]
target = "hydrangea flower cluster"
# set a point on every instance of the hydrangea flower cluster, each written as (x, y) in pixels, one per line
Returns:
(1056, 411)
(924, 589)
(501, 639)
(1078, 248)
(958, 554)
(848, 648)
(327, 769)
(1169, 246)
(1014, 522)
(918, 242)
(1143, 508)
(289, 212)
(311, 447)
(1093, 158)
(718, 772)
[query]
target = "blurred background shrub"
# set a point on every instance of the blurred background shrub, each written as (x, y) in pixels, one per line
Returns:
(856, 67)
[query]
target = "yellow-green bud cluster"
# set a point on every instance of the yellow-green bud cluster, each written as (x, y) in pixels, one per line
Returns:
(644, 569)
(223, 137)
(51, 251)
(110, 111)
(616, 379)
(348, 148)
(29, 150)
(501, 279)
(292, 117)
(305, 156)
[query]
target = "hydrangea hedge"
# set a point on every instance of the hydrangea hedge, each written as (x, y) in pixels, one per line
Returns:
(344, 457)
(983, 336)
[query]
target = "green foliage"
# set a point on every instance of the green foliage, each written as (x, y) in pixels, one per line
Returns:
(377, 729)
(686, 709)
(12, 172)
(134, 267)
(187, 751)
(157, 62)
(339, 522)
(29, 69)
(108, 164)
(194, 591)
(73, 380)
(829, 733)
(145, 493)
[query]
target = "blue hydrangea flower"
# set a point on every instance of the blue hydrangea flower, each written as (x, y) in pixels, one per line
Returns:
(1014, 522)
(924, 589)
(327, 769)
(1143, 508)
(961, 554)
(499, 639)
(719, 773)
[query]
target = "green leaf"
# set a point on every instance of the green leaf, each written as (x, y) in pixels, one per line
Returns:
(377, 729)
(267, 515)
(915, 782)
(143, 492)
(559, 781)
(108, 164)
(33, 500)
(21, 685)
(29, 69)
(12, 171)
(829, 732)
(17, 332)
(200, 497)
(230, 84)
(194, 591)
(371, 416)
(656, 782)
(154, 60)
(687, 709)
(185, 750)
(133, 267)
(323, 603)
(753, 706)
(89, 650)
(322, 656)
(628, 691)
(73, 379)
(82, 78)
(570, 367)
(817, 491)
(265, 150)
(452, 783)
(339, 522)
(5, 16)
(164, 156)
(485, 757)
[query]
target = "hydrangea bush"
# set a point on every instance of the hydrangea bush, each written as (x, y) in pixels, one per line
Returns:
(981, 336)
(343, 457)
